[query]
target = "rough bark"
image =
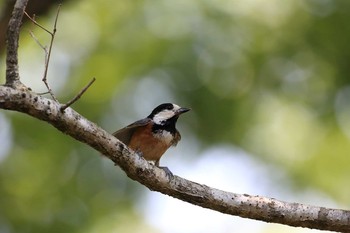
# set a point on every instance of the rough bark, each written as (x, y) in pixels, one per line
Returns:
(12, 38)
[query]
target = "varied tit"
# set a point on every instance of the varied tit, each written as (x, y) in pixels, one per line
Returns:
(152, 136)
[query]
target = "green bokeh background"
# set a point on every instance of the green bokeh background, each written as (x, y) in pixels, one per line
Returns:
(270, 77)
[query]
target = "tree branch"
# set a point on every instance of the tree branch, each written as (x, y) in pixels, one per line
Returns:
(12, 38)
(15, 96)
(243, 205)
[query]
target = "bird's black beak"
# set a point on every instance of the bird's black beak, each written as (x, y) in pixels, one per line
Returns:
(182, 110)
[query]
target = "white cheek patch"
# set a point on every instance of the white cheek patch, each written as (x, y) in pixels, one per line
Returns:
(176, 107)
(165, 136)
(163, 116)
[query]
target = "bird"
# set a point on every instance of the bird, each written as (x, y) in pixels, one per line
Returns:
(152, 136)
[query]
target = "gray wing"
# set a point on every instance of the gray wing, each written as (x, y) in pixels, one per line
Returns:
(125, 133)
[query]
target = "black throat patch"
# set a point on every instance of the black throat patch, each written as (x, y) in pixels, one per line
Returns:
(168, 125)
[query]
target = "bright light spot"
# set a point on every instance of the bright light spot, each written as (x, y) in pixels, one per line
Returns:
(151, 91)
(285, 131)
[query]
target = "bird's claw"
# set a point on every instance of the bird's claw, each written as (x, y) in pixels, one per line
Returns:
(139, 153)
(168, 173)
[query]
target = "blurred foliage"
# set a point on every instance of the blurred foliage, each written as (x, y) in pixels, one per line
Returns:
(268, 76)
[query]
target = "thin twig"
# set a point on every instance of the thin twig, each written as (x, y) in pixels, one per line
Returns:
(72, 101)
(51, 43)
(43, 93)
(36, 23)
(38, 42)
(47, 52)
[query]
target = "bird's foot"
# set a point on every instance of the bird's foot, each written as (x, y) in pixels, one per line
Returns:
(139, 153)
(168, 173)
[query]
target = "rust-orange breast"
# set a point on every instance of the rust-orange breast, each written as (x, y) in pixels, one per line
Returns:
(143, 140)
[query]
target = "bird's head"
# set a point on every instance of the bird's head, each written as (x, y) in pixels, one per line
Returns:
(166, 113)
